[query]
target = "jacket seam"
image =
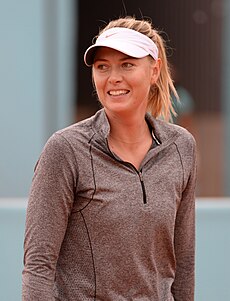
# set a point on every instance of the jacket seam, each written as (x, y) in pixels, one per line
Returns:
(92, 255)
(181, 161)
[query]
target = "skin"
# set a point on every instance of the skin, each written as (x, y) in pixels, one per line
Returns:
(122, 84)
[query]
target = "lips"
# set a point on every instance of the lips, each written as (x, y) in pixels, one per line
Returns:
(118, 92)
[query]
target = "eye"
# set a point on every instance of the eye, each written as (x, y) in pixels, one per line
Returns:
(101, 67)
(127, 65)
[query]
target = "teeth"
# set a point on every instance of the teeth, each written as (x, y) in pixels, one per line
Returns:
(118, 92)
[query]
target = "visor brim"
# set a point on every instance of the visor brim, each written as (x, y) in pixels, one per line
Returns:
(124, 47)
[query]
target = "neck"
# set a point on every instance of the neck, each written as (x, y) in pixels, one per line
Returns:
(130, 139)
(128, 130)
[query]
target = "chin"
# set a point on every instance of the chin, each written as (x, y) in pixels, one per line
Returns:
(118, 109)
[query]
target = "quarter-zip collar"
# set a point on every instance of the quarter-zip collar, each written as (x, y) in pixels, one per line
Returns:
(164, 133)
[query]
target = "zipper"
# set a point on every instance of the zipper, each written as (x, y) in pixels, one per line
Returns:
(138, 171)
(143, 187)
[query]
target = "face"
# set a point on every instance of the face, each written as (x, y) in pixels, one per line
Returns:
(123, 82)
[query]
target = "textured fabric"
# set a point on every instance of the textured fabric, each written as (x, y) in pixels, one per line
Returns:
(98, 229)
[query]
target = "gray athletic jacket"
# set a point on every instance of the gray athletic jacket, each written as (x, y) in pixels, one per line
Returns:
(98, 229)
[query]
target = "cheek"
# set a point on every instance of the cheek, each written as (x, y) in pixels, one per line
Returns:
(98, 82)
(99, 87)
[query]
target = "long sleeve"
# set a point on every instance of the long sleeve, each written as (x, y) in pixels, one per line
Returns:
(49, 206)
(184, 235)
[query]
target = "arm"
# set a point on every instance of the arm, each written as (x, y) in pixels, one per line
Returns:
(50, 203)
(184, 238)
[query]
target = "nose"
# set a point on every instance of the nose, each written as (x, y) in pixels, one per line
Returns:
(115, 76)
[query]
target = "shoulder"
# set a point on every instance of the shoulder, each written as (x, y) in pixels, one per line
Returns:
(64, 141)
(166, 131)
(84, 130)
(78, 130)
(71, 141)
(76, 133)
(181, 138)
(186, 149)
(184, 137)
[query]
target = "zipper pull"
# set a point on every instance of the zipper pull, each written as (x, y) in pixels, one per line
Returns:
(141, 176)
(143, 187)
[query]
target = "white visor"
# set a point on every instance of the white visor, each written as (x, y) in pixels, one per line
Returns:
(125, 40)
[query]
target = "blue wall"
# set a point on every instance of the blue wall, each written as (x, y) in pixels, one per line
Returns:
(212, 250)
(12, 221)
(36, 79)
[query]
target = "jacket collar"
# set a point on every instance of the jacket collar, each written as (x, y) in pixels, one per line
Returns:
(163, 131)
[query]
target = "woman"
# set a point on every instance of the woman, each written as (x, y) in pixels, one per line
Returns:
(111, 209)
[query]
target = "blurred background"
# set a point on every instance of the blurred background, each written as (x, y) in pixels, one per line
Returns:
(45, 86)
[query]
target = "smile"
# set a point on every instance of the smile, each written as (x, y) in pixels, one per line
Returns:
(118, 92)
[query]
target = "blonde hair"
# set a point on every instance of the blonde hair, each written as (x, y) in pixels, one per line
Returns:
(160, 100)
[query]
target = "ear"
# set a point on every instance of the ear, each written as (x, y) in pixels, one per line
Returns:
(156, 69)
